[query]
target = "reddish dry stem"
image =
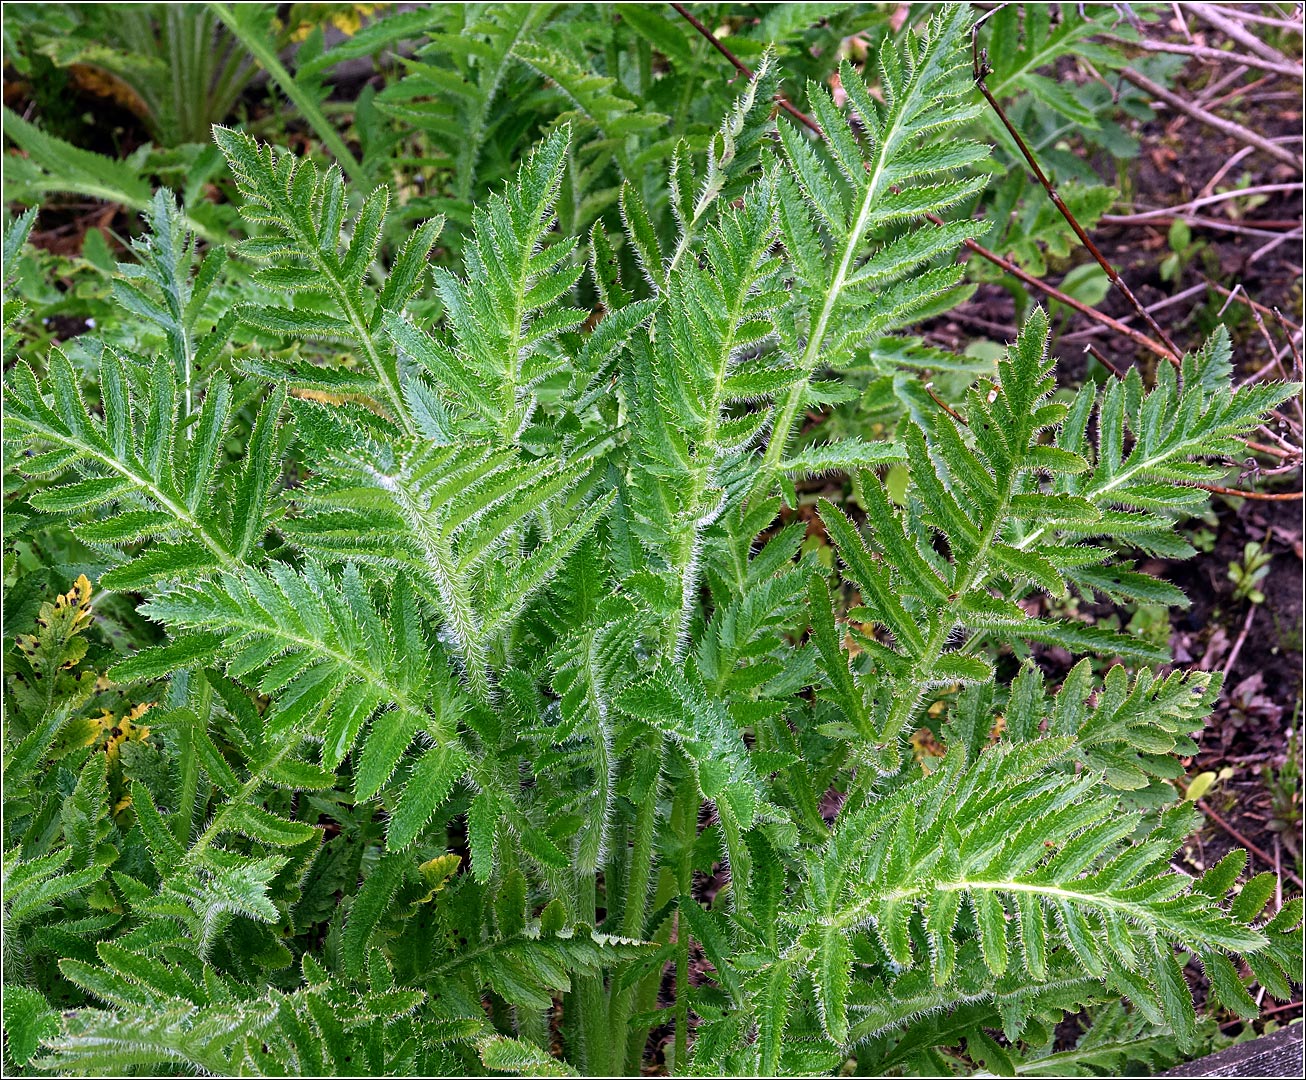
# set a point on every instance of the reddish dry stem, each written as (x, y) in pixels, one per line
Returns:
(1243, 298)
(1096, 354)
(1263, 496)
(929, 389)
(743, 68)
(981, 69)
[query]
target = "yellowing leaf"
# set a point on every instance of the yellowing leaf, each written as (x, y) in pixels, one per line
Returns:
(1199, 786)
(437, 872)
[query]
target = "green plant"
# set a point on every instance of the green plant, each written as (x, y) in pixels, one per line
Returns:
(170, 63)
(1183, 249)
(471, 641)
(1207, 783)
(50, 165)
(181, 69)
(1250, 572)
(641, 90)
(261, 33)
(1284, 785)
(1027, 43)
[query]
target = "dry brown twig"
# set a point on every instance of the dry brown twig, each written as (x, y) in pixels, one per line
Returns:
(1288, 450)
(1006, 265)
(1292, 332)
(1202, 116)
(979, 59)
(1163, 218)
(1225, 169)
(1278, 241)
(1209, 92)
(1275, 352)
(1242, 14)
(1245, 299)
(929, 389)
(1220, 18)
(1209, 101)
(1203, 52)
(1178, 12)
(1026, 278)
(740, 66)
(1232, 658)
(1169, 301)
(1097, 355)
(1209, 200)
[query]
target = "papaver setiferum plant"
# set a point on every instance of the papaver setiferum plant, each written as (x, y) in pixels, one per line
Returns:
(474, 631)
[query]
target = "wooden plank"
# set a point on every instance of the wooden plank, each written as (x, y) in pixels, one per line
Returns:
(1276, 1054)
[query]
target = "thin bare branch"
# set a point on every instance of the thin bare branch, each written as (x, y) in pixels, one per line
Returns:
(981, 69)
(1224, 169)
(1261, 252)
(1223, 196)
(929, 389)
(1204, 52)
(743, 68)
(1259, 496)
(1178, 13)
(1139, 338)
(1096, 354)
(1245, 299)
(1218, 17)
(1208, 93)
(1199, 114)
(1209, 101)
(1160, 305)
(1164, 348)
(1242, 14)
(1293, 333)
(1285, 230)
(1232, 658)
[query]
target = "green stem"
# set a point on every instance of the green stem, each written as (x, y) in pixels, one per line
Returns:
(641, 866)
(188, 764)
(646, 993)
(876, 184)
(242, 797)
(386, 373)
(474, 140)
(593, 1022)
(682, 997)
(741, 862)
(460, 614)
(940, 631)
(533, 1026)
(148, 486)
(686, 570)
(633, 914)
